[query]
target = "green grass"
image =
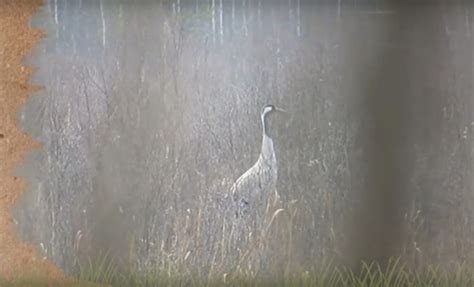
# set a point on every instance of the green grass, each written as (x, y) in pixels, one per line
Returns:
(396, 274)
(105, 272)
(40, 281)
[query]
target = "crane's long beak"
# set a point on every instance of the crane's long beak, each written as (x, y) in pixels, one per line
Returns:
(281, 110)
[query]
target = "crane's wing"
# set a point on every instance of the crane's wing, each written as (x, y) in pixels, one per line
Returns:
(246, 185)
(247, 190)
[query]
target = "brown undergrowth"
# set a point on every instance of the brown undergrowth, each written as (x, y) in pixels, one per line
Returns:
(17, 38)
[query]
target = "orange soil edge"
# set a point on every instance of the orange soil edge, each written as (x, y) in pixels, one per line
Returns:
(17, 38)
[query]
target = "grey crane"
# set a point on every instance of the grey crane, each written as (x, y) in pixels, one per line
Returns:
(251, 189)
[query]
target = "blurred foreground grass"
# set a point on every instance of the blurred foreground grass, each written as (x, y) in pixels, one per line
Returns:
(105, 272)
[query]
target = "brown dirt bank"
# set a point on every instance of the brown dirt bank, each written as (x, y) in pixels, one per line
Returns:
(17, 38)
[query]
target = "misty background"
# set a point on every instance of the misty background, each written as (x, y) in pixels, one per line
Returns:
(150, 110)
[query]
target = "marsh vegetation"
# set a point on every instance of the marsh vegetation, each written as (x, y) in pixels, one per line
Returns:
(150, 111)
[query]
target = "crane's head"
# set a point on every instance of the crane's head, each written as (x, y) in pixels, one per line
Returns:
(269, 109)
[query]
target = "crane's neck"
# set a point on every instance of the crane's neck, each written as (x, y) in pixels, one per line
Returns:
(267, 152)
(264, 126)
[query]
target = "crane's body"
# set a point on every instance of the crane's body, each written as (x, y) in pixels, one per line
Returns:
(251, 190)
